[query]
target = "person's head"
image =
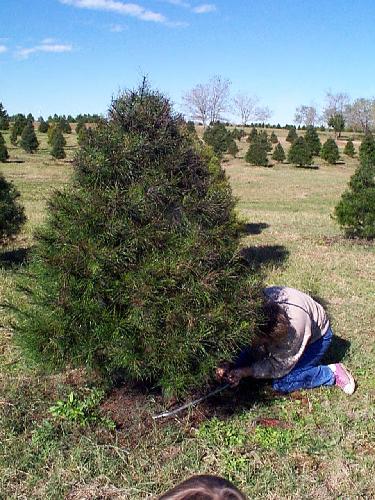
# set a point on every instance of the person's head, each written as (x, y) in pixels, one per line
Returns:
(204, 488)
(275, 324)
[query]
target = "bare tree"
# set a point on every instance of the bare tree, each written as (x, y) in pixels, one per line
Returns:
(361, 114)
(245, 107)
(263, 114)
(207, 101)
(219, 97)
(198, 103)
(306, 115)
(335, 104)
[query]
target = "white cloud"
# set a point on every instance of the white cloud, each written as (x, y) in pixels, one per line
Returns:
(127, 9)
(3, 49)
(48, 40)
(44, 47)
(204, 8)
(179, 3)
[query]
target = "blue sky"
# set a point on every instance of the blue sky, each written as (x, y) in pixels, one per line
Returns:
(71, 56)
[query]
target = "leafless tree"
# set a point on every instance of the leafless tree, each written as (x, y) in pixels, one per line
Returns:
(361, 114)
(197, 102)
(245, 107)
(306, 115)
(207, 102)
(219, 97)
(335, 104)
(263, 114)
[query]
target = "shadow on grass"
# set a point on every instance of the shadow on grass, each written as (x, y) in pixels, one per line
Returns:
(14, 258)
(255, 228)
(337, 351)
(265, 255)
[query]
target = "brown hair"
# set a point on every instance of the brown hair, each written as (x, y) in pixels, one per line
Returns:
(276, 322)
(204, 488)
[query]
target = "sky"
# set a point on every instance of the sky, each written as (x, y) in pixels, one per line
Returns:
(73, 56)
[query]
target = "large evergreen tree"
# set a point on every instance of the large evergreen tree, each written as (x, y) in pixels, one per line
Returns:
(136, 266)
(3, 149)
(4, 118)
(257, 154)
(29, 141)
(12, 214)
(330, 151)
(218, 137)
(279, 153)
(300, 153)
(355, 211)
(312, 140)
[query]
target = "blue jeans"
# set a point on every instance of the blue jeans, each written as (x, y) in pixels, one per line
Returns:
(307, 373)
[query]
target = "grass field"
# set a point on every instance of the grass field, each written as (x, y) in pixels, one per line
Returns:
(318, 444)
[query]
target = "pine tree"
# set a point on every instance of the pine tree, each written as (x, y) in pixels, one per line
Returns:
(367, 149)
(12, 214)
(52, 131)
(82, 135)
(330, 151)
(253, 135)
(218, 137)
(20, 123)
(257, 154)
(3, 149)
(233, 148)
(58, 143)
(337, 122)
(135, 268)
(300, 153)
(273, 138)
(265, 140)
(292, 135)
(29, 141)
(43, 126)
(13, 136)
(355, 211)
(312, 140)
(4, 118)
(279, 154)
(349, 149)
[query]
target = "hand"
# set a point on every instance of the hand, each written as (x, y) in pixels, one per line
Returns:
(222, 371)
(234, 377)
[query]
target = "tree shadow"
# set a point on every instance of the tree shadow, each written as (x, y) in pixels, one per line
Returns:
(264, 255)
(14, 258)
(255, 228)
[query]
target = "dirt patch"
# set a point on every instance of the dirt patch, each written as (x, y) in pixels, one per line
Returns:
(95, 491)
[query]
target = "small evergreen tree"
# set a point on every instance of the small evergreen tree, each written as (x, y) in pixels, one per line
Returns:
(13, 136)
(218, 137)
(29, 141)
(273, 138)
(367, 149)
(58, 143)
(337, 122)
(355, 211)
(300, 153)
(190, 125)
(349, 149)
(237, 134)
(253, 135)
(82, 135)
(292, 135)
(265, 140)
(257, 154)
(279, 154)
(3, 149)
(12, 214)
(43, 126)
(312, 140)
(4, 118)
(65, 125)
(20, 123)
(233, 148)
(52, 131)
(135, 268)
(330, 151)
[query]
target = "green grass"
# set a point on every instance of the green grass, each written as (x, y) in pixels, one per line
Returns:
(323, 443)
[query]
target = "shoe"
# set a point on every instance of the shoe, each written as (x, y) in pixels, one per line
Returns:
(343, 378)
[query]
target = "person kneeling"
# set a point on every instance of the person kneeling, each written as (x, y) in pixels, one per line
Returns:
(293, 340)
